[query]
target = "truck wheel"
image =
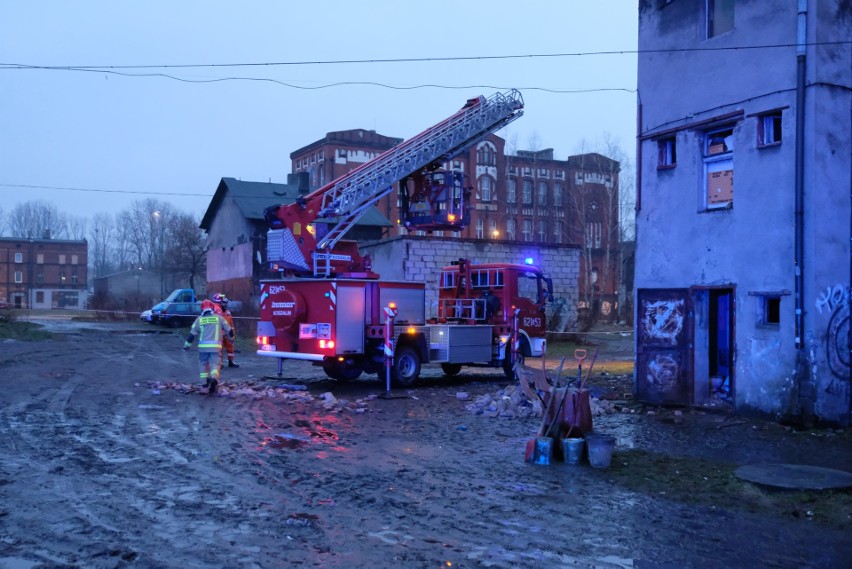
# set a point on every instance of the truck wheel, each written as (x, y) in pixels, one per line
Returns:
(341, 372)
(451, 369)
(509, 366)
(406, 366)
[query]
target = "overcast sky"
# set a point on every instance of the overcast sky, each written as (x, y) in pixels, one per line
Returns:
(126, 138)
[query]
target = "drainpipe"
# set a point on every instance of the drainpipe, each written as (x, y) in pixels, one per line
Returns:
(805, 386)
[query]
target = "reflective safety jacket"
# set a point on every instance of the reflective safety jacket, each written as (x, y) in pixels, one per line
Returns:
(209, 328)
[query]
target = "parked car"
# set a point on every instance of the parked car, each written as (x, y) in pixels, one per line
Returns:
(177, 314)
(146, 316)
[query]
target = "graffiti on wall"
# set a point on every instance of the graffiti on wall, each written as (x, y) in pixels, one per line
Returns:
(663, 373)
(662, 321)
(834, 301)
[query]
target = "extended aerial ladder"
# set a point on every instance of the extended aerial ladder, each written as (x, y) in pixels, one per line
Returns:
(437, 201)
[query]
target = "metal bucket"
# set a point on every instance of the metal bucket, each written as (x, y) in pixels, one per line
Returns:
(543, 450)
(600, 449)
(573, 450)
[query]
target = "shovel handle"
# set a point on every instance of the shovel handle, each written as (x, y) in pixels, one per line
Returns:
(580, 354)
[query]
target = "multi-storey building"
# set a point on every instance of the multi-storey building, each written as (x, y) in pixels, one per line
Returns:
(527, 198)
(743, 233)
(43, 273)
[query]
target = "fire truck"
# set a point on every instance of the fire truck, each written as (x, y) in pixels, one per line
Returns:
(326, 305)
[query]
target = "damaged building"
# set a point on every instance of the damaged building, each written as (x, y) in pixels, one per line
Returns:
(743, 207)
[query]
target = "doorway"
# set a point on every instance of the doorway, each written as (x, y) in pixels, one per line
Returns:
(714, 347)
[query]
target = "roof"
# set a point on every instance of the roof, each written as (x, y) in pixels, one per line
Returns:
(253, 197)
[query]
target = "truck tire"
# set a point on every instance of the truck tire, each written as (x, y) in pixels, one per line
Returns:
(341, 372)
(451, 370)
(406, 366)
(509, 366)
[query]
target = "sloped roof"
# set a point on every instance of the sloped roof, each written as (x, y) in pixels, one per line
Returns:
(253, 197)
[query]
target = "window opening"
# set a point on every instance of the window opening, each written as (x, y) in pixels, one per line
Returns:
(720, 17)
(719, 168)
(666, 152)
(511, 195)
(769, 129)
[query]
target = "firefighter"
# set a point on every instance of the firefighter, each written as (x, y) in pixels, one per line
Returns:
(228, 343)
(208, 328)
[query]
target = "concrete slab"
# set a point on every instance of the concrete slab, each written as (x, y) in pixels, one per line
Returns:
(795, 476)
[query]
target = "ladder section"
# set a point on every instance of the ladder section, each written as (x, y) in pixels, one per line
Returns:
(352, 194)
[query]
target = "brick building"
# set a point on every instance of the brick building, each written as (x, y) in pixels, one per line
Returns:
(43, 273)
(526, 198)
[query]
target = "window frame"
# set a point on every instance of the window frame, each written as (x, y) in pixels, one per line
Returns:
(666, 153)
(527, 230)
(775, 121)
(717, 159)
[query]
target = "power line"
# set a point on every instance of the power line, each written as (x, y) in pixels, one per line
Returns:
(147, 193)
(415, 59)
(343, 83)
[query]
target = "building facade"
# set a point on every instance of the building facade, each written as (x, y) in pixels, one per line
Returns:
(526, 198)
(43, 273)
(236, 233)
(743, 232)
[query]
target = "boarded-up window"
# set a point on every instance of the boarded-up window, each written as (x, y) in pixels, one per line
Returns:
(719, 168)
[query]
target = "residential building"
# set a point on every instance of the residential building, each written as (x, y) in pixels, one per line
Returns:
(236, 233)
(743, 224)
(43, 273)
(526, 198)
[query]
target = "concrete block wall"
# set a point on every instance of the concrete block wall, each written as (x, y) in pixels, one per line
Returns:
(413, 258)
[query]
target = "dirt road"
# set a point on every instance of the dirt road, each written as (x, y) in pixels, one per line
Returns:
(105, 465)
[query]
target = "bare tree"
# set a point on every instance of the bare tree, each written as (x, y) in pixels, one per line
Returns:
(186, 248)
(142, 229)
(102, 238)
(77, 227)
(38, 220)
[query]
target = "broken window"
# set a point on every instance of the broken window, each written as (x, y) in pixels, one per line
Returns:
(720, 17)
(719, 168)
(769, 129)
(768, 307)
(666, 153)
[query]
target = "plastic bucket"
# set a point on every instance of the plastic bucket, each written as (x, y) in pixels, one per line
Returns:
(573, 449)
(543, 450)
(600, 449)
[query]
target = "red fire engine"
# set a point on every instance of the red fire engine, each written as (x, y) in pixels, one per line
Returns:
(329, 307)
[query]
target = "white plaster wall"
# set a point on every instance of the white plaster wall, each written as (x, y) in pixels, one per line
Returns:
(751, 246)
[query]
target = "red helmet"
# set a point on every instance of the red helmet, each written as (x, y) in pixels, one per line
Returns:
(207, 305)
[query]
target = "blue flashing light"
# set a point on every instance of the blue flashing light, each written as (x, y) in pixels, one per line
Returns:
(528, 261)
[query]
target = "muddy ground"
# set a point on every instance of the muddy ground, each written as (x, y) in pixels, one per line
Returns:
(107, 461)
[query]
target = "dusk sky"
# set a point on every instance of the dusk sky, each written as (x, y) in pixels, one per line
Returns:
(134, 125)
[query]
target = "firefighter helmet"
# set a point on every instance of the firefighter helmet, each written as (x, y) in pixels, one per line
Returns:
(207, 305)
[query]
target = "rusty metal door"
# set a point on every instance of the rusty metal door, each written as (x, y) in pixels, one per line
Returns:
(663, 346)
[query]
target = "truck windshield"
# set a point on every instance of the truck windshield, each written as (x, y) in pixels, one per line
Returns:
(529, 286)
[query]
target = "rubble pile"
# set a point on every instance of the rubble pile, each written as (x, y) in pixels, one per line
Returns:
(511, 402)
(255, 391)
